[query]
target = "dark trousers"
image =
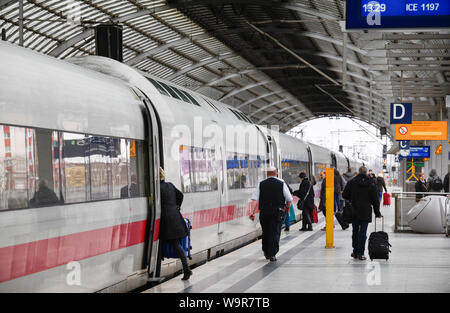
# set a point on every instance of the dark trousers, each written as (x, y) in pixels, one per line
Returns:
(271, 231)
(359, 236)
(176, 244)
(306, 218)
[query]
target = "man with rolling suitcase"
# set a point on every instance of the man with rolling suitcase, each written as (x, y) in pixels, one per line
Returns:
(362, 194)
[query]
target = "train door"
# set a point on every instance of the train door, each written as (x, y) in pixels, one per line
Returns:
(333, 161)
(310, 165)
(274, 153)
(153, 133)
(221, 181)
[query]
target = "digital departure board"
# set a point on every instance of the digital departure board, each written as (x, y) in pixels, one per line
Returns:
(367, 14)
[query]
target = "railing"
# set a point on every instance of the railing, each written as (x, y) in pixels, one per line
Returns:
(404, 201)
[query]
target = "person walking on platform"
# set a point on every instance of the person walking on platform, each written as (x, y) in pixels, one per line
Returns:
(338, 188)
(446, 182)
(273, 194)
(372, 177)
(348, 175)
(305, 193)
(420, 186)
(380, 186)
(434, 182)
(172, 225)
(322, 203)
(287, 220)
(362, 194)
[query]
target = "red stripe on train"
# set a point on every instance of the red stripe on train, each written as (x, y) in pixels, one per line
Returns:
(32, 257)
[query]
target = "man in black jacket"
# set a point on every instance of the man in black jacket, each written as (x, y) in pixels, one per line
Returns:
(446, 186)
(362, 194)
(305, 193)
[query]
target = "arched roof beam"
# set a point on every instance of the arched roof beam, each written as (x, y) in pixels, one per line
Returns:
(271, 105)
(265, 95)
(201, 64)
(246, 87)
(280, 111)
(184, 40)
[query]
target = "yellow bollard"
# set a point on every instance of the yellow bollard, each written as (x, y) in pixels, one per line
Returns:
(329, 172)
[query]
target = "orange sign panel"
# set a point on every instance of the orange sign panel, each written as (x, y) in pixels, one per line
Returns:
(421, 130)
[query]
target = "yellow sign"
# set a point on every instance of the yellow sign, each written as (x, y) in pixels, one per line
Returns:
(421, 130)
(133, 149)
(412, 169)
(438, 149)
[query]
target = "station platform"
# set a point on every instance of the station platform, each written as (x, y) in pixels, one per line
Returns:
(418, 263)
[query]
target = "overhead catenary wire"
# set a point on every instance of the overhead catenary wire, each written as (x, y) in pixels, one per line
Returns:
(293, 53)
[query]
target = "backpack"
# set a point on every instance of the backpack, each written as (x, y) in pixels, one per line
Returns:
(437, 184)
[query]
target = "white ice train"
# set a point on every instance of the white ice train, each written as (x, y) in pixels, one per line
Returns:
(90, 129)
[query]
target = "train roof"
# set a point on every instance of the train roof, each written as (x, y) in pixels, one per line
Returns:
(44, 92)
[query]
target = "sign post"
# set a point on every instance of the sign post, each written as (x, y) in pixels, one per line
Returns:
(329, 172)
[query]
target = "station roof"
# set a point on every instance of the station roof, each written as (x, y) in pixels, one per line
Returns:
(280, 62)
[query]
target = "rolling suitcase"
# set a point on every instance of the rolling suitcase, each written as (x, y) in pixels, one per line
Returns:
(386, 198)
(379, 243)
(169, 251)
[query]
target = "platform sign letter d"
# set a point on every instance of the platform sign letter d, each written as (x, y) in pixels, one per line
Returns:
(401, 113)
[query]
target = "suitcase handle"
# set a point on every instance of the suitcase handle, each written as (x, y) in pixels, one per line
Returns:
(382, 223)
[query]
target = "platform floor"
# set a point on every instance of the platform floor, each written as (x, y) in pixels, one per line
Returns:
(418, 263)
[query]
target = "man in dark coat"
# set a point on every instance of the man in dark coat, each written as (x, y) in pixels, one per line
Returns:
(362, 194)
(44, 196)
(273, 194)
(421, 186)
(130, 191)
(446, 182)
(173, 228)
(305, 193)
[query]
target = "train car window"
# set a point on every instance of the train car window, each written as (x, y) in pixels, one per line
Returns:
(13, 170)
(100, 149)
(201, 177)
(186, 169)
(191, 98)
(244, 171)
(44, 190)
(159, 87)
(199, 169)
(291, 169)
(75, 168)
(319, 167)
(121, 185)
(171, 91)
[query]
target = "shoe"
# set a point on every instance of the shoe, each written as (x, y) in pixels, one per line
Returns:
(286, 229)
(324, 229)
(273, 259)
(344, 228)
(303, 229)
(362, 257)
(309, 229)
(187, 275)
(354, 255)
